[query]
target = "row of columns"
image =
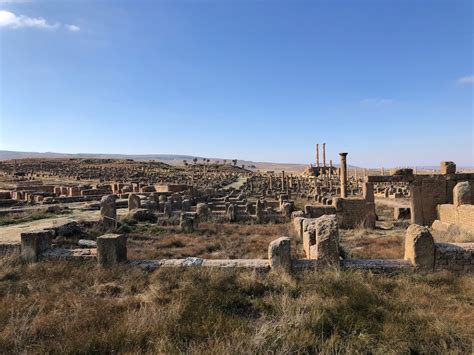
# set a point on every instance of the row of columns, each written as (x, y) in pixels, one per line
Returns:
(324, 155)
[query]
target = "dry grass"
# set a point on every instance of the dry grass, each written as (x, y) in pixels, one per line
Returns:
(24, 217)
(210, 241)
(373, 244)
(67, 307)
(461, 236)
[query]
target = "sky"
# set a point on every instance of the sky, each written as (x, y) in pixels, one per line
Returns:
(388, 81)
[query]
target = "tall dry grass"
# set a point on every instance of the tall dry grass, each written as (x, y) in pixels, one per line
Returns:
(68, 307)
(210, 241)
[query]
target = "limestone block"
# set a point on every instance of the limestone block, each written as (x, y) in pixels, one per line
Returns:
(186, 223)
(448, 167)
(462, 194)
(34, 243)
(298, 225)
(326, 248)
(419, 247)
(368, 191)
(108, 212)
(309, 239)
(279, 254)
(202, 210)
(142, 215)
(133, 202)
(111, 249)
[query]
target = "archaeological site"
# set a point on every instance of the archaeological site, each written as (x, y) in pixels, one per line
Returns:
(103, 214)
(237, 177)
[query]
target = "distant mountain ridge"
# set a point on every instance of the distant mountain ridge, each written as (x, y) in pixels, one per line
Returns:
(172, 159)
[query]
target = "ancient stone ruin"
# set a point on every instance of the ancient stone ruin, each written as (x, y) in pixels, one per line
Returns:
(318, 204)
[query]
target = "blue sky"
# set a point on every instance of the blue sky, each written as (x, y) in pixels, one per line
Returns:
(390, 82)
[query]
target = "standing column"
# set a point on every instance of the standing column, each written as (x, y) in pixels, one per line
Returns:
(343, 167)
(382, 171)
(324, 154)
(330, 167)
(317, 155)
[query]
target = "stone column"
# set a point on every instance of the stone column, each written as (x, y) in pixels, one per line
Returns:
(382, 172)
(416, 204)
(343, 174)
(324, 154)
(317, 155)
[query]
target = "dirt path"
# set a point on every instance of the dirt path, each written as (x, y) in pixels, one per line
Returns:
(238, 184)
(11, 234)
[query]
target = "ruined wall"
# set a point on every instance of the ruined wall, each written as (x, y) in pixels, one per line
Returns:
(455, 257)
(432, 191)
(318, 211)
(462, 215)
(353, 213)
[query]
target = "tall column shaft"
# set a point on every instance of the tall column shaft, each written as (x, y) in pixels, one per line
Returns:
(317, 155)
(324, 154)
(343, 174)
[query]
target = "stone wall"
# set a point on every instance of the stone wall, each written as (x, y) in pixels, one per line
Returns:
(354, 213)
(429, 192)
(455, 257)
(427, 256)
(461, 215)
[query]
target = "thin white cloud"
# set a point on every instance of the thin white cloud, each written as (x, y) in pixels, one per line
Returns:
(10, 20)
(14, 1)
(465, 80)
(376, 102)
(73, 28)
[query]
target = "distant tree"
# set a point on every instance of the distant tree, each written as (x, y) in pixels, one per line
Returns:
(225, 161)
(195, 160)
(208, 161)
(234, 161)
(217, 162)
(243, 166)
(185, 162)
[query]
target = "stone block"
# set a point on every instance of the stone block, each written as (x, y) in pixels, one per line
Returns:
(298, 225)
(309, 239)
(448, 167)
(108, 212)
(133, 202)
(111, 249)
(279, 254)
(142, 215)
(419, 247)
(368, 191)
(34, 243)
(462, 194)
(401, 172)
(326, 248)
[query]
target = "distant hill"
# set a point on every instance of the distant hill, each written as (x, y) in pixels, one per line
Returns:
(172, 159)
